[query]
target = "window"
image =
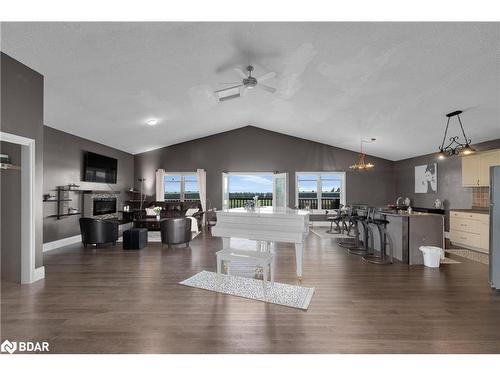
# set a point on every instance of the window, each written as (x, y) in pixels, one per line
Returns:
(242, 187)
(181, 187)
(191, 190)
(320, 190)
(173, 187)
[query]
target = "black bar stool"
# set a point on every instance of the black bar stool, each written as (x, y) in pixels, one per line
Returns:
(364, 247)
(334, 219)
(384, 239)
(349, 222)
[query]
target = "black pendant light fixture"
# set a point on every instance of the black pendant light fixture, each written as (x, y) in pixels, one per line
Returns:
(455, 147)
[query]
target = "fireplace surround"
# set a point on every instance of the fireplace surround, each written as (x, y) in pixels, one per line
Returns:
(100, 205)
(104, 206)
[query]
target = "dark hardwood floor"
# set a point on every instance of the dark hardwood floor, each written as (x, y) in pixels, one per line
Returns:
(114, 301)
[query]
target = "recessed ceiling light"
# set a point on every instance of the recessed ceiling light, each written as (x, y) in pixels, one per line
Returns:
(152, 122)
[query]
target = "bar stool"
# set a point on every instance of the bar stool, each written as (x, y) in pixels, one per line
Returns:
(334, 219)
(351, 218)
(384, 239)
(364, 247)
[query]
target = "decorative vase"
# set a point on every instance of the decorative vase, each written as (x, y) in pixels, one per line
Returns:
(157, 217)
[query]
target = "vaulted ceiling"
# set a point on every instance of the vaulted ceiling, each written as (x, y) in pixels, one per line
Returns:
(336, 81)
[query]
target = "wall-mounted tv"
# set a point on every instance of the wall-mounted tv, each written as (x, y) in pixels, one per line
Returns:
(99, 168)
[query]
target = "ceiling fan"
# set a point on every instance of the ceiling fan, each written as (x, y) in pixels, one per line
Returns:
(248, 82)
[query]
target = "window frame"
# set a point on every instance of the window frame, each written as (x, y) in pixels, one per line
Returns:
(183, 184)
(319, 187)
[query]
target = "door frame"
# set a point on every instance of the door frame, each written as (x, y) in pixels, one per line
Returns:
(278, 175)
(29, 273)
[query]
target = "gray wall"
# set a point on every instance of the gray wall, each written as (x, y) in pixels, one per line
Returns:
(450, 190)
(11, 222)
(252, 149)
(22, 114)
(63, 165)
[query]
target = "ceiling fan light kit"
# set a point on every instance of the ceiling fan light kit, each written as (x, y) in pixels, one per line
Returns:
(455, 147)
(248, 83)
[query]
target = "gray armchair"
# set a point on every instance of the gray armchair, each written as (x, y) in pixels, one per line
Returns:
(95, 231)
(175, 231)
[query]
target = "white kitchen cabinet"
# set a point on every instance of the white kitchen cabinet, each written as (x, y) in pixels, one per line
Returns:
(470, 170)
(476, 168)
(470, 230)
(487, 160)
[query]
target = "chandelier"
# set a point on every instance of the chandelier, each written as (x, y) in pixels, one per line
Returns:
(361, 164)
(455, 147)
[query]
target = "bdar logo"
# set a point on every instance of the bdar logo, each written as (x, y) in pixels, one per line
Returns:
(9, 347)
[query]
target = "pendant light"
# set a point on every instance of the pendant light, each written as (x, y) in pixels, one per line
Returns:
(455, 147)
(361, 164)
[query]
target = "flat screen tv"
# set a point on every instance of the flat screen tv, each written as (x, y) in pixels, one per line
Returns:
(99, 168)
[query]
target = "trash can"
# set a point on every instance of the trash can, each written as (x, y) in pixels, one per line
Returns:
(432, 255)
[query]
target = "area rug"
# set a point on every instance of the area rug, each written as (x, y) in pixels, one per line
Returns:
(155, 236)
(294, 296)
(447, 260)
(471, 255)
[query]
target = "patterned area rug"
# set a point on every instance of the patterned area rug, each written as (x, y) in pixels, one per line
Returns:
(298, 297)
(471, 255)
(449, 261)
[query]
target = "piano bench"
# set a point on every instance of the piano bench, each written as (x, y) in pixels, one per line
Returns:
(262, 259)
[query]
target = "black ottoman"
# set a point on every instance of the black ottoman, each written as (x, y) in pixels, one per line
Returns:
(135, 238)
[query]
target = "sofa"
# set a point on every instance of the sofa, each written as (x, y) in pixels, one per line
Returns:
(178, 209)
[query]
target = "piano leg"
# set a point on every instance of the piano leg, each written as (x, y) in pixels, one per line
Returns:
(299, 251)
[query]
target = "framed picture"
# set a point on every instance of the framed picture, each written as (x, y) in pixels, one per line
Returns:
(426, 178)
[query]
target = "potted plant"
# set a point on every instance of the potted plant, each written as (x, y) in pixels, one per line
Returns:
(157, 211)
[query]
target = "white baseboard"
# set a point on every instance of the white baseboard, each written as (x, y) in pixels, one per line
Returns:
(48, 246)
(39, 273)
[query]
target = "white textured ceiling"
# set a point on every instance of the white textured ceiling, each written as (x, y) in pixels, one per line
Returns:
(336, 81)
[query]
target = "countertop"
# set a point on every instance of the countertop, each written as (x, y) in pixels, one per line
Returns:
(413, 214)
(473, 210)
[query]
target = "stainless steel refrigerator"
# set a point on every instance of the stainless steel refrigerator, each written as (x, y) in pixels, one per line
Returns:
(495, 227)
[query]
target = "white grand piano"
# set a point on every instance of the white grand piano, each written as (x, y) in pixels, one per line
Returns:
(265, 224)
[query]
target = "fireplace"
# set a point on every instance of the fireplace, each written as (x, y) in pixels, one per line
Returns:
(104, 206)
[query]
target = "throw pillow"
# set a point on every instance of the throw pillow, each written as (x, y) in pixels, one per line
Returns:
(191, 211)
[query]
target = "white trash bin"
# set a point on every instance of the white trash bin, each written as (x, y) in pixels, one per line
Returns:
(432, 255)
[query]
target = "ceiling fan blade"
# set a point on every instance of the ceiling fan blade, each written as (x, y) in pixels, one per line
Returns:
(228, 88)
(272, 90)
(266, 76)
(230, 83)
(243, 91)
(240, 72)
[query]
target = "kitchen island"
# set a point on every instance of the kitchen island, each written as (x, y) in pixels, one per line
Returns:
(410, 231)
